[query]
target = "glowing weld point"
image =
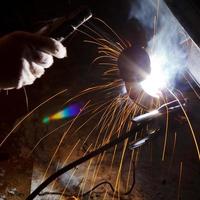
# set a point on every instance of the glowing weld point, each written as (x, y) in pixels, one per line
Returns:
(70, 111)
(151, 87)
(157, 80)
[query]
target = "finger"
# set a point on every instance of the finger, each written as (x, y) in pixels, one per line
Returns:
(36, 70)
(24, 80)
(43, 43)
(20, 83)
(41, 58)
(60, 51)
(27, 77)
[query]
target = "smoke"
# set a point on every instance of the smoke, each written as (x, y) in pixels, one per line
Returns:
(166, 37)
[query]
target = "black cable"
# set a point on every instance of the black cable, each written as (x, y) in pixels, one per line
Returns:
(95, 187)
(82, 195)
(84, 159)
(98, 185)
(112, 188)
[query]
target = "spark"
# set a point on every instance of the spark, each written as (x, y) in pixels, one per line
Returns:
(117, 183)
(189, 123)
(166, 132)
(29, 114)
(120, 40)
(67, 185)
(86, 176)
(173, 150)
(97, 168)
(197, 95)
(131, 164)
(26, 99)
(61, 140)
(64, 163)
(47, 135)
(180, 179)
(96, 111)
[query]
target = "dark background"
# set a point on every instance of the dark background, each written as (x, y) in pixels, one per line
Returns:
(23, 14)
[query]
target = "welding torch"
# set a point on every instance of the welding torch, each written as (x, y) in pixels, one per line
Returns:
(63, 27)
(170, 107)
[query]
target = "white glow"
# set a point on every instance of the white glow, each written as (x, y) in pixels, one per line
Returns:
(168, 44)
(123, 89)
(157, 79)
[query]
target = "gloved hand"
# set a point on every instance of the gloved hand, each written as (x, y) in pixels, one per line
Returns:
(24, 57)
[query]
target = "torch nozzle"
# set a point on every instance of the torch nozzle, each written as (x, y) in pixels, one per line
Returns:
(172, 106)
(140, 142)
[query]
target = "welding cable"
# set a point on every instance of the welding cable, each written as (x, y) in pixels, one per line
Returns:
(112, 188)
(92, 154)
(118, 193)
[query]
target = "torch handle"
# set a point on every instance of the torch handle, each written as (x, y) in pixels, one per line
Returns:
(61, 28)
